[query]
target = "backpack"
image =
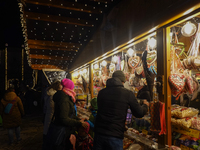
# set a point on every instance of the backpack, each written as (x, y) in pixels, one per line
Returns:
(9, 107)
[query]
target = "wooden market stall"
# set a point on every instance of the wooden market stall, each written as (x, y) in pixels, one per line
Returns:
(174, 51)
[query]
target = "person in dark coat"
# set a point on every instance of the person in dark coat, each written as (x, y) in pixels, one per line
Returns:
(12, 121)
(113, 103)
(64, 112)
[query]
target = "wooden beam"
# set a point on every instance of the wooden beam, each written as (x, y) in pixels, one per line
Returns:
(51, 48)
(65, 5)
(52, 52)
(53, 44)
(49, 62)
(40, 66)
(49, 57)
(53, 18)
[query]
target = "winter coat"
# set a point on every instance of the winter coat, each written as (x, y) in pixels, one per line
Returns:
(14, 118)
(65, 112)
(49, 109)
(113, 103)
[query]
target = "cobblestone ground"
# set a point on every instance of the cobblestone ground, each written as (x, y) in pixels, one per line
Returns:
(31, 134)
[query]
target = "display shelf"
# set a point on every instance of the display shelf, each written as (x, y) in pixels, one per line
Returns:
(140, 139)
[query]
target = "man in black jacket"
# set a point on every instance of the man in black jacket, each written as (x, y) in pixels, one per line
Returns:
(113, 102)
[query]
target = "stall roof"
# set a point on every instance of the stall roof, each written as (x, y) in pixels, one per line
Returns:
(58, 30)
(139, 17)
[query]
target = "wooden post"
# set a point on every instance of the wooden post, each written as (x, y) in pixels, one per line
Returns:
(6, 69)
(163, 68)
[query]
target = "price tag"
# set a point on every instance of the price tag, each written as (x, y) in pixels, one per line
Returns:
(190, 132)
(144, 131)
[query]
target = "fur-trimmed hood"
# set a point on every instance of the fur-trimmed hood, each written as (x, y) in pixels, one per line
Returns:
(10, 96)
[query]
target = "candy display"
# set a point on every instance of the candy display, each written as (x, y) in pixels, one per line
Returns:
(185, 122)
(196, 123)
(183, 112)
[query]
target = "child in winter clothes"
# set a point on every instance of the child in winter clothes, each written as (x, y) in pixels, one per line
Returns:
(92, 117)
(83, 140)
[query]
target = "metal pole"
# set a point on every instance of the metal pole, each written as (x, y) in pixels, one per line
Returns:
(6, 69)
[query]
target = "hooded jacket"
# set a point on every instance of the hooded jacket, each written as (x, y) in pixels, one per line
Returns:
(113, 103)
(49, 110)
(14, 118)
(65, 112)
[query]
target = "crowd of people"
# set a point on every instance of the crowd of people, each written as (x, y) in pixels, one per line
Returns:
(63, 130)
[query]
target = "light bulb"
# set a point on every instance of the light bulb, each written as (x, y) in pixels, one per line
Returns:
(85, 71)
(152, 43)
(188, 29)
(76, 74)
(96, 66)
(114, 59)
(130, 52)
(104, 63)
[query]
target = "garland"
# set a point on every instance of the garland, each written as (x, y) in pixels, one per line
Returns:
(24, 31)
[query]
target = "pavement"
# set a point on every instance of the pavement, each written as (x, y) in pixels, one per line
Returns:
(31, 134)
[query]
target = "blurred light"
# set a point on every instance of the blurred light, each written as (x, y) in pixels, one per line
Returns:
(96, 66)
(130, 52)
(188, 29)
(152, 43)
(104, 63)
(114, 59)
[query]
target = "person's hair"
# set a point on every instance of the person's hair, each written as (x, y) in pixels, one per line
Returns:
(55, 85)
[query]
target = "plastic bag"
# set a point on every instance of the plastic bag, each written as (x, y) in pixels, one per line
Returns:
(196, 123)
(184, 112)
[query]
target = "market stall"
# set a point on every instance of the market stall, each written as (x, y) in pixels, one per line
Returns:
(164, 60)
(81, 82)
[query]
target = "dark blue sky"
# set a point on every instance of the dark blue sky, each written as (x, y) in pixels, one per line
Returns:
(11, 31)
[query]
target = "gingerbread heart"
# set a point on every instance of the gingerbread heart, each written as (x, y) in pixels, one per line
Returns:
(139, 70)
(151, 57)
(177, 81)
(133, 61)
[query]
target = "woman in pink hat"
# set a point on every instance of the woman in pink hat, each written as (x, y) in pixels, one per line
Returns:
(64, 113)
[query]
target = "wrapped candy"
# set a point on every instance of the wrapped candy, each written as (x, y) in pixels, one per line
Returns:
(196, 123)
(183, 112)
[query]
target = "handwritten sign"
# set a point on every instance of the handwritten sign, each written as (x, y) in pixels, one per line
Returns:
(187, 131)
(144, 131)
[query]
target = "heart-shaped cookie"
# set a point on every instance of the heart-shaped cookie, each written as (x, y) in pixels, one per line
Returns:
(177, 81)
(151, 57)
(112, 68)
(133, 61)
(139, 70)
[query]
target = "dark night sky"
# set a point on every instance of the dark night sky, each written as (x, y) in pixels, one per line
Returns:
(11, 27)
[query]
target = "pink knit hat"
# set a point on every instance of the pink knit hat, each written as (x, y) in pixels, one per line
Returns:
(67, 83)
